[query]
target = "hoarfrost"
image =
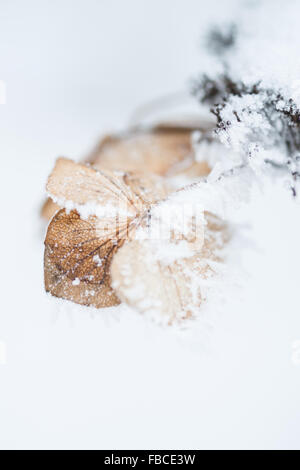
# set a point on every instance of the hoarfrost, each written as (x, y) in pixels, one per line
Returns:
(252, 83)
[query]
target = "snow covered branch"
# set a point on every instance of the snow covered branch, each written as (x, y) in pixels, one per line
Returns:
(253, 89)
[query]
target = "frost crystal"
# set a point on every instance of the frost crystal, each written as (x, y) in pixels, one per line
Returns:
(252, 84)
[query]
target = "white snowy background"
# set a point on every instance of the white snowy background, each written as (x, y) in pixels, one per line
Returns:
(73, 377)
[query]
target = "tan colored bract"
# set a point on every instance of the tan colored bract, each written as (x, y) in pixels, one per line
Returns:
(163, 151)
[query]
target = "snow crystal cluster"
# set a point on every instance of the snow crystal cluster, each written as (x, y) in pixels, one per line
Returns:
(251, 81)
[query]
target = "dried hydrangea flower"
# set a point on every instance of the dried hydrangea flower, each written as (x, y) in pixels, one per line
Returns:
(108, 243)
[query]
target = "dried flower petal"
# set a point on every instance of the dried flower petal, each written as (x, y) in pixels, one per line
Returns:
(77, 260)
(171, 289)
(48, 209)
(165, 151)
(77, 184)
(153, 151)
(79, 250)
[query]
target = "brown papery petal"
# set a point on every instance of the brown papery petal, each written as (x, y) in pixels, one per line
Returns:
(77, 260)
(70, 181)
(152, 151)
(49, 208)
(169, 290)
(148, 189)
(162, 151)
(151, 286)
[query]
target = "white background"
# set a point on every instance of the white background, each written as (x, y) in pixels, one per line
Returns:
(79, 378)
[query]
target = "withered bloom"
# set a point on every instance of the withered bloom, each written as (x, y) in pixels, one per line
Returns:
(96, 251)
(78, 250)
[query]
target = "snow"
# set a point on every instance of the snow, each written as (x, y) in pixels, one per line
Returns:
(76, 377)
(92, 208)
(256, 69)
(167, 252)
(97, 260)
